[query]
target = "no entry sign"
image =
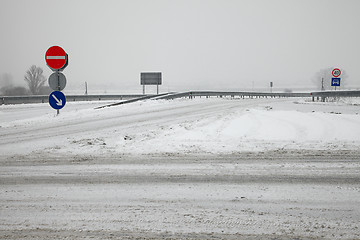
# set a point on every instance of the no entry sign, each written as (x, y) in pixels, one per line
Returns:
(56, 58)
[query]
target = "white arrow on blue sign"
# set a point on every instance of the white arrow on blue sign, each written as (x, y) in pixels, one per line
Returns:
(57, 100)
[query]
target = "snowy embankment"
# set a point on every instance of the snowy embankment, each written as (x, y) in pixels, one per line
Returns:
(196, 126)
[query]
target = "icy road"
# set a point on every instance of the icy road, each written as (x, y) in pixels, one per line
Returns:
(182, 169)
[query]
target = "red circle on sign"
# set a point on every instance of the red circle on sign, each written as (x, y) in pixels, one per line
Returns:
(55, 57)
(336, 72)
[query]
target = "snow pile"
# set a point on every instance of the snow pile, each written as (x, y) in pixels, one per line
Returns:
(252, 130)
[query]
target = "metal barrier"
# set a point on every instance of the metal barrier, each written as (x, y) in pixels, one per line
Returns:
(191, 94)
(324, 95)
(133, 100)
(337, 94)
(319, 95)
(70, 98)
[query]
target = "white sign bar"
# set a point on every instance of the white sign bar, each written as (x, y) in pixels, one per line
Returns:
(55, 57)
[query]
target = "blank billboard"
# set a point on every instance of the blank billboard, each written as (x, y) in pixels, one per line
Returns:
(150, 78)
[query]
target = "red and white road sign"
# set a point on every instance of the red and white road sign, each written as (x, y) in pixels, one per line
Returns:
(55, 57)
(336, 72)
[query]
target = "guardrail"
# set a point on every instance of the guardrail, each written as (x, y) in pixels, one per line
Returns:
(324, 95)
(336, 94)
(191, 94)
(133, 100)
(70, 98)
(319, 95)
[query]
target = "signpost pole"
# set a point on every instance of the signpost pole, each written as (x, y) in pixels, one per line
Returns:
(58, 86)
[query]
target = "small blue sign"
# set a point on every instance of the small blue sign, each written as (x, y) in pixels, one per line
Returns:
(57, 100)
(335, 82)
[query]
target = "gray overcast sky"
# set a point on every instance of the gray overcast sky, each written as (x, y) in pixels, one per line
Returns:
(197, 44)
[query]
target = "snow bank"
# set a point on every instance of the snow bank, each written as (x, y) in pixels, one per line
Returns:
(253, 130)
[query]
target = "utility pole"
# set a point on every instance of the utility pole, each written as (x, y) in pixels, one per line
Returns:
(322, 84)
(86, 92)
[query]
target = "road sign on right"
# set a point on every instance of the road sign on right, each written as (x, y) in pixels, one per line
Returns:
(336, 72)
(335, 82)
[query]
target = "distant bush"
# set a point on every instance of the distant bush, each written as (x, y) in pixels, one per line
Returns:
(13, 91)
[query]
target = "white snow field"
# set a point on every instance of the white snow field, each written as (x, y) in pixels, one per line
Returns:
(180, 126)
(216, 168)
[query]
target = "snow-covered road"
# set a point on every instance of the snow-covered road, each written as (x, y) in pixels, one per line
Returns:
(177, 198)
(181, 169)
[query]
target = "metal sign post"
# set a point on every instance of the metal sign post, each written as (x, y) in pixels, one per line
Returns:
(57, 60)
(58, 88)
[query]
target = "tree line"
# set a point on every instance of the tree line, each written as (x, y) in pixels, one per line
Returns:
(34, 79)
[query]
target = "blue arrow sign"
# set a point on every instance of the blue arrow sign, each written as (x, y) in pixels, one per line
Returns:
(57, 100)
(335, 82)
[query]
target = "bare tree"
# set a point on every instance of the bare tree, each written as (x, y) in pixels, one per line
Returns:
(35, 79)
(322, 78)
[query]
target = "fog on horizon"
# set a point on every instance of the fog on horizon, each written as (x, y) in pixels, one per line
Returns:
(196, 44)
